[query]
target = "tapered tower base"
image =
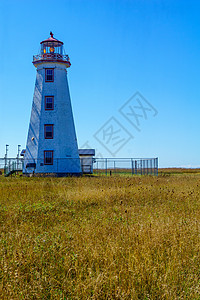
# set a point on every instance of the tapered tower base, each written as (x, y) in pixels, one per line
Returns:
(51, 144)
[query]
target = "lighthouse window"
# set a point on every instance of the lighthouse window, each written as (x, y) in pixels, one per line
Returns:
(48, 157)
(49, 102)
(48, 131)
(49, 75)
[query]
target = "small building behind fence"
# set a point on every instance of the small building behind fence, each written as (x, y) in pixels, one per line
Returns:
(87, 159)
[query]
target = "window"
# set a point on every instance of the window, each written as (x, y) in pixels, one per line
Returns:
(48, 157)
(49, 102)
(49, 75)
(48, 131)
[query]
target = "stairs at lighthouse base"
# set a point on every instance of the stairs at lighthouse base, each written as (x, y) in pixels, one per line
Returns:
(13, 168)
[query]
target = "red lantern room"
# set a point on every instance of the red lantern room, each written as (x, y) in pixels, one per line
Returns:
(51, 51)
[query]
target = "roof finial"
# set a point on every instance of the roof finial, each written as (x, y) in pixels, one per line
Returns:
(51, 34)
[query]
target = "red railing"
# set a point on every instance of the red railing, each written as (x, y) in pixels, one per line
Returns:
(51, 56)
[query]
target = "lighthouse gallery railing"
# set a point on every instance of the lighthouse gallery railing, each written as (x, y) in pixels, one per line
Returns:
(51, 56)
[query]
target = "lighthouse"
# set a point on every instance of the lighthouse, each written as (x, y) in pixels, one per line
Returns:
(51, 146)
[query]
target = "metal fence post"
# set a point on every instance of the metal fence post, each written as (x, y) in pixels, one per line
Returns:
(154, 164)
(157, 166)
(132, 166)
(135, 167)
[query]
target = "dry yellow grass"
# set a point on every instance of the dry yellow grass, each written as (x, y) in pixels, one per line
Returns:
(100, 238)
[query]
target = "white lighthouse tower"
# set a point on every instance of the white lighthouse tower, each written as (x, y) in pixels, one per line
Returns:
(51, 144)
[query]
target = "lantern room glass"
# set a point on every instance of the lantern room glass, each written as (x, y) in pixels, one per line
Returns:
(51, 47)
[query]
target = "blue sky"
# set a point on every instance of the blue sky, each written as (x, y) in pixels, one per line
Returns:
(117, 48)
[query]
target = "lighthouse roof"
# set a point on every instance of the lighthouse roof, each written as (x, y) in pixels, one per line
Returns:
(52, 41)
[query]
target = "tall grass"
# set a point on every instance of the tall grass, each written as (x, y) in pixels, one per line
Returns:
(100, 238)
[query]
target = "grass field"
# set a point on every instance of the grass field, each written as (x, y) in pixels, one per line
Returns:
(100, 237)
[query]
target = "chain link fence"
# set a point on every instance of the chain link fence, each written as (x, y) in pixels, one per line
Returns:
(126, 166)
(96, 166)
